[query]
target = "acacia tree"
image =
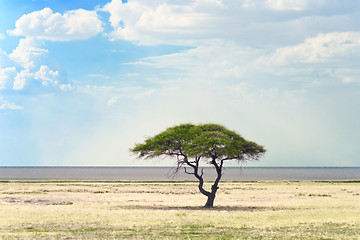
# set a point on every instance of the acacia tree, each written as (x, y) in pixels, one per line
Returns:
(190, 144)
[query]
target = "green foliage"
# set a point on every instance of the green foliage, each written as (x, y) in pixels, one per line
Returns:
(205, 141)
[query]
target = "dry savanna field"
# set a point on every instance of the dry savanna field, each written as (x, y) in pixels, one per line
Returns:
(173, 210)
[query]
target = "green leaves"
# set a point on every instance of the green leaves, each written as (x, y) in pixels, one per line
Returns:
(209, 141)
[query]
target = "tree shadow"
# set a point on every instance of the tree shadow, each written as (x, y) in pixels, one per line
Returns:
(201, 208)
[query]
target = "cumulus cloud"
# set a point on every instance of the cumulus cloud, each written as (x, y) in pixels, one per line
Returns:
(6, 76)
(45, 24)
(149, 22)
(28, 61)
(21, 79)
(26, 68)
(246, 22)
(45, 76)
(27, 52)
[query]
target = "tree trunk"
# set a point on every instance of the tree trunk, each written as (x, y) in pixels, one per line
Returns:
(211, 197)
(210, 201)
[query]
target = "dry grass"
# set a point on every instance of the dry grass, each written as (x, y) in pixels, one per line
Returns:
(140, 210)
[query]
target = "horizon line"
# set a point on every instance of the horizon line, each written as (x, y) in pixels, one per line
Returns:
(48, 166)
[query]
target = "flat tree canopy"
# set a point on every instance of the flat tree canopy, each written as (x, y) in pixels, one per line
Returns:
(189, 144)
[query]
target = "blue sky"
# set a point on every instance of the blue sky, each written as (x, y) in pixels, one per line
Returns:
(82, 81)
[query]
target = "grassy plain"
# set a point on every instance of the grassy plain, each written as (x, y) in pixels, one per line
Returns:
(172, 210)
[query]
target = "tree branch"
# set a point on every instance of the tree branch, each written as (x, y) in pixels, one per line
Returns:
(192, 173)
(199, 177)
(180, 162)
(219, 174)
(202, 172)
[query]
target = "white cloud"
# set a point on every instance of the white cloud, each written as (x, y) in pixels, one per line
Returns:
(332, 57)
(27, 52)
(66, 87)
(24, 69)
(319, 61)
(72, 25)
(29, 58)
(2, 36)
(254, 23)
(281, 5)
(21, 79)
(331, 47)
(10, 105)
(316, 62)
(45, 76)
(149, 22)
(6, 76)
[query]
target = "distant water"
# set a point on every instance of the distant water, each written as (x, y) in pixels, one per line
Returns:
(163, 173)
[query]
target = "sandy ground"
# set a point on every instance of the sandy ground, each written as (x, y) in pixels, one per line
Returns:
(173, 210)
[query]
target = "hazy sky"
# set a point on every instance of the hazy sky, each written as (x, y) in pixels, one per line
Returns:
(82, 81)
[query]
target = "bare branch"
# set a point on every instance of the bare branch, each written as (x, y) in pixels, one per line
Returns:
(221, 165)
(175, 171)
(190, 173)
(189, 163)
